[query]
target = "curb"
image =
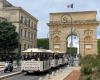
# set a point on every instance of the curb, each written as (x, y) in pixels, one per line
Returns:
(68, 75)
(9, 75)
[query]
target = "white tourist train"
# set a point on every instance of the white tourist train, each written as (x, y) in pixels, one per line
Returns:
(39, 60)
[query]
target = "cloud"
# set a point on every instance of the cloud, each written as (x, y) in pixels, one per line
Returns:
(41, 9)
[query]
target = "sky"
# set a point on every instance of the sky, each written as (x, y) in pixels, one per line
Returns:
(41, 9)
(75, 42)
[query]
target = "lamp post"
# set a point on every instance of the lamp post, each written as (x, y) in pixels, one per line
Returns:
(64, 19)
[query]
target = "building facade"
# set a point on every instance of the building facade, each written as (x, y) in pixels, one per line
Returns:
(26, 24)
(82, 24)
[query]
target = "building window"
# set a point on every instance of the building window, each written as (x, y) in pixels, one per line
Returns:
(31, 46)
(31, 24)
(21, 19)
(34, 36)
(28, 46)
(25, 34)
(29, 35)
(25, 22)
(21, 32)
(35, 27)
(24, 46)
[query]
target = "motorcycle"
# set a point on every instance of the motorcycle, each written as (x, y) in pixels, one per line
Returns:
(8, 67)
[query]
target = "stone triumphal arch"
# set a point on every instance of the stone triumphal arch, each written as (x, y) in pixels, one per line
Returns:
(83, 24)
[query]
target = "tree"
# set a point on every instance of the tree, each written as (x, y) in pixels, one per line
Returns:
(98, 46)
(8, 38)
(72, 51)
(43, 43)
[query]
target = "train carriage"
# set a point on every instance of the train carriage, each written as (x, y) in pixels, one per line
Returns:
(53, 59)
(40, 60)
(37, 61)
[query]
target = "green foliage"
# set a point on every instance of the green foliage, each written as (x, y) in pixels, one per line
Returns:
(87, 78)
(72, 51)
(89, 60)
(98, 67)
(99, 46)
(86, 69)
(43, 43)
(8, 37)
(98, 63)
(90, 63)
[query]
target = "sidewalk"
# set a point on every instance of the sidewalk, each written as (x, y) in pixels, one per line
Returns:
(75, 75)
(1, 69)
(9, 75)
(61, 74)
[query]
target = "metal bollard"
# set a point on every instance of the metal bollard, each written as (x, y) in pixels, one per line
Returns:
(52, 73)
(57, 71)
(60, 70)
(40, 78)
(48, 76)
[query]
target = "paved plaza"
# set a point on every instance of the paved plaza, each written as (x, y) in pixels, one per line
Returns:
(60, 74)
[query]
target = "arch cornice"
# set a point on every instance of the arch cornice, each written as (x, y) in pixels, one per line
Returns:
(82, 22)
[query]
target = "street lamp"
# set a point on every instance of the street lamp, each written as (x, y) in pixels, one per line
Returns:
(64, 19)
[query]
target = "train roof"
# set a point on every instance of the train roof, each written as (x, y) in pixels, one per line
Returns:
(58, 52)
(50, 51)
(34, 50)
(37, 50)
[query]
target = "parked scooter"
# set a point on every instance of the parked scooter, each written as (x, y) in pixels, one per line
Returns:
(8, 66)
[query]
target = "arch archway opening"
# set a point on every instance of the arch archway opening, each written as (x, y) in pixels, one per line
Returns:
(72, 45)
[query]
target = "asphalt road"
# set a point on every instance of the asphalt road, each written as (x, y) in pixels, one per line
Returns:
(23, 76)
(34, 76)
